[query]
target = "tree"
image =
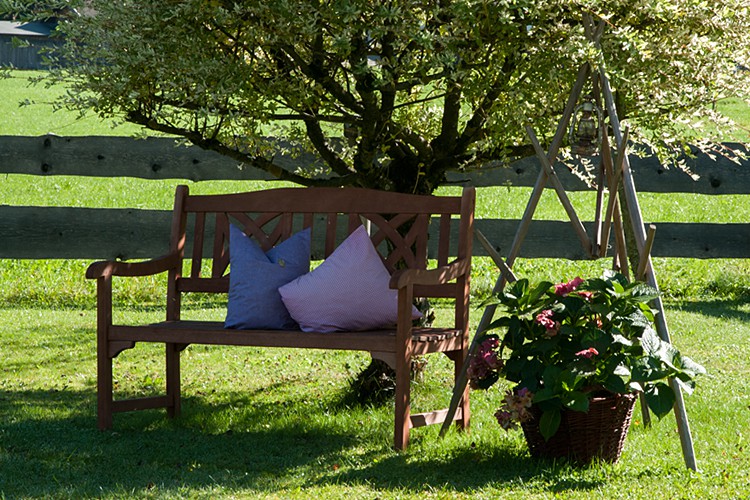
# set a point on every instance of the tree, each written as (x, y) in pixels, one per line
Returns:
(33, 10)
(394, 94)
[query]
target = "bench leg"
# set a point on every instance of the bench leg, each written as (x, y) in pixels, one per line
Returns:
(104, 388)
(173, 378)
(104, 385)
(403, 405)
(463, 422)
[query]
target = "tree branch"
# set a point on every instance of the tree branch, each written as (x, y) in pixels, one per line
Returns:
(473, 129)
(322, 77)
(446, 141)
(256, 161)
(318, 139)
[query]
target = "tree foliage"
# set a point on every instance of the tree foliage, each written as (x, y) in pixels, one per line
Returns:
(394, 94)
(35, 10)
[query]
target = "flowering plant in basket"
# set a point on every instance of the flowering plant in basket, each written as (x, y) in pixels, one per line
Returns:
(562, 345)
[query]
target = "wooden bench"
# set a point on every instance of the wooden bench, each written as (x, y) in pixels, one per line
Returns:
(399, 226)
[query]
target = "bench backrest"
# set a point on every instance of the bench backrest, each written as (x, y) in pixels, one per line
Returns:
(399, 225)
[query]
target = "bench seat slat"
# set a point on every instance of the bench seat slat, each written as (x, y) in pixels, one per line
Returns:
(214, 333)
(221, 285)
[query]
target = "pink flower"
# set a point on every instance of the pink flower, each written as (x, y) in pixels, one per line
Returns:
(544, 318)
(515, 408)
(525, 396)
(505, 419)
(485, 362)
(587, 296)
(588, 353)
(490, 359)
(489, 345)
(563, 289)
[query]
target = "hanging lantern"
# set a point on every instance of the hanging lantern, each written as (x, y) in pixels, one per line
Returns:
(585, 127)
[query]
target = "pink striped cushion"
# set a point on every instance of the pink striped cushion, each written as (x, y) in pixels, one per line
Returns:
(348, 291)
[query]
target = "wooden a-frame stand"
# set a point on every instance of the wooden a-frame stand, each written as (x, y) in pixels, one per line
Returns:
(615, 171)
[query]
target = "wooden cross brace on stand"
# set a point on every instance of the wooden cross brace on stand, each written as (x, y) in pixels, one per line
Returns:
(616, 171)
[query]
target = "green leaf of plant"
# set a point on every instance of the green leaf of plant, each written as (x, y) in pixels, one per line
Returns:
(551, 376)
(650, 342)
(649, 369)
(635, 386)
(569, 378)
(660, 398)
(549, 423)
(620, 339)
(670, 356)
(515, 291)
(502, 322)
(487, 382)
(543, 395)
(577, 401)
(638, 320)
(685, 383)
(641, 370)
(538, 291)
(621, 370)
(615, 384)
(492, 299)
(597, 285)
(578, 370)
(515, 367)
(643, 292)
(691, 367)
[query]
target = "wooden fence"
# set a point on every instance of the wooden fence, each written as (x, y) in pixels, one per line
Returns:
(31, 232)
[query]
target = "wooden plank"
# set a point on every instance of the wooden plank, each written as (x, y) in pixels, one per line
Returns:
(90, 233)
(151, 158)
(162, 158)
(82, 233)
(715, 176)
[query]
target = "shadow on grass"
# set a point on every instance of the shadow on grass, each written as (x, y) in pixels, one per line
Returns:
(726, 309)
(467, 470)
(50, 447)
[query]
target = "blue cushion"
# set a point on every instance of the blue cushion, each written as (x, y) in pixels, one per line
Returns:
(255, 277)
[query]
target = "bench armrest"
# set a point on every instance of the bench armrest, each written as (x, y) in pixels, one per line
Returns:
(437, 276)
(107, 268)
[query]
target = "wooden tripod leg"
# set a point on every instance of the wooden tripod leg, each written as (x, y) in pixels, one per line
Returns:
(614, 175)
(458, 390)
(622, 250)
(561, 194)
(461, 378)
(644, 261)
(683, 427)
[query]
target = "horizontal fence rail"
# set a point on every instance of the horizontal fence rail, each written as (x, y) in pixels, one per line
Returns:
(164, 158)
(93, 233)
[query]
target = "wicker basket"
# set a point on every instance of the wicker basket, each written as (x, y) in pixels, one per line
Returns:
(583, 436)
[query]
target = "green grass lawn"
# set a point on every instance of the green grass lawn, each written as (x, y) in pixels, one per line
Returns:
(264, 423)
(28, 110)
(272, 424)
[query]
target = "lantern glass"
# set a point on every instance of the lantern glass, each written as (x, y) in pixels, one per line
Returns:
(584, 130)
